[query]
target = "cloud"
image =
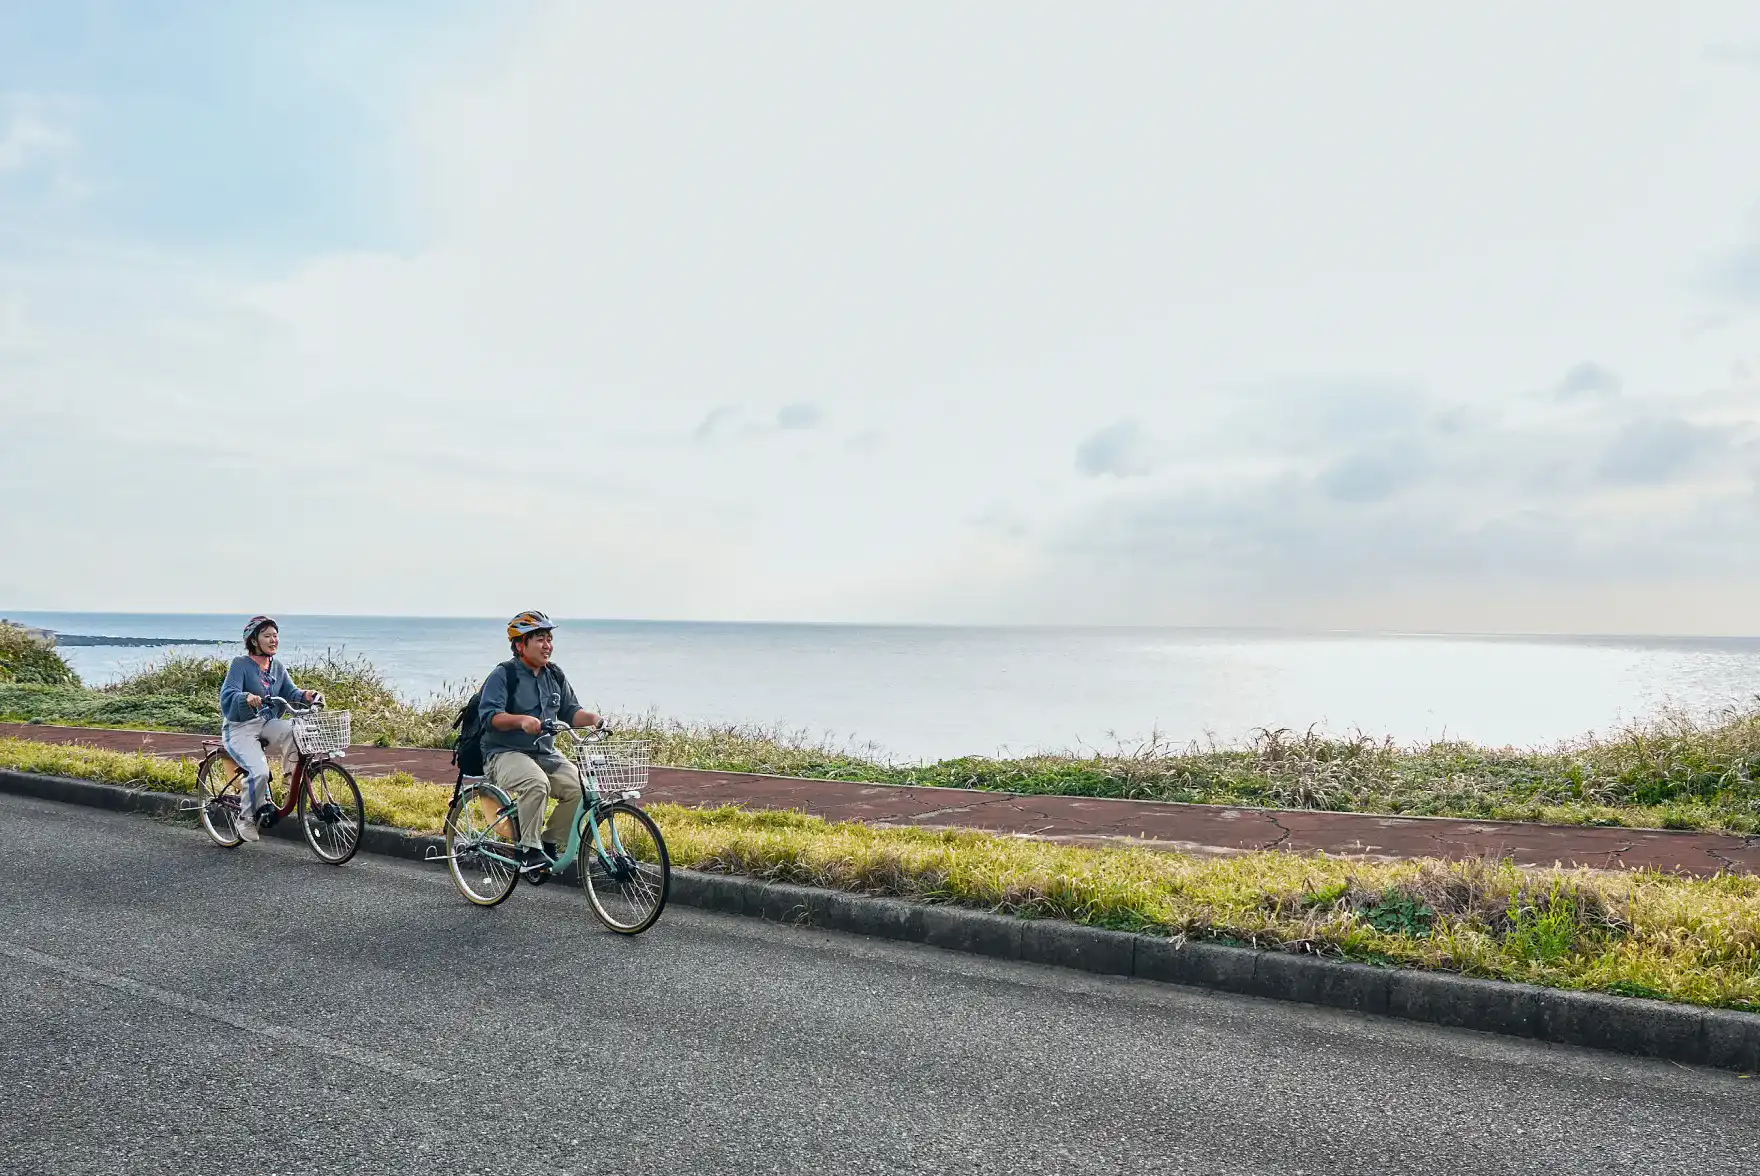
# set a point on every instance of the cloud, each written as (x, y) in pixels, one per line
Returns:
(716, 423)
(1587, 380)
(1503, 515)
(1308, 385)
(1653, 452)
(28, 135)
(1748, 55)
(866, 441)
(1738, 277)
(1369, 477)
(799, 416)
(1120, 449)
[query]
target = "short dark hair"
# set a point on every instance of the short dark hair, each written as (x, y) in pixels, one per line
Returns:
(251, 646)
(522, 639)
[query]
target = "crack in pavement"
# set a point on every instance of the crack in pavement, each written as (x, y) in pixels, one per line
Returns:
(1272, 817)
(963, 808)
(1728, 865)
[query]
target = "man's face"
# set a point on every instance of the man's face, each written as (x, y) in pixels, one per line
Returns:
(536, 649)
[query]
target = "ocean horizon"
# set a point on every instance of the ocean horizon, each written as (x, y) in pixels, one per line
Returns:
(939, 691)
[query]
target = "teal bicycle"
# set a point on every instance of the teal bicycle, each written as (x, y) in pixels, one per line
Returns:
(615, 847)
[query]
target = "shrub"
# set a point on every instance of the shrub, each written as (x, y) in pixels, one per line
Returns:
(29, 660)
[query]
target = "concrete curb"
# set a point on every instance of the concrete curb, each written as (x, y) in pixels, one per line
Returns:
(1645, 1028)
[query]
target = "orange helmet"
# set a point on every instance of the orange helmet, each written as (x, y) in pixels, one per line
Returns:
(526, 623)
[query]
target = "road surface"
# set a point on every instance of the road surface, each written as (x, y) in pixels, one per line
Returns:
(170, 1007)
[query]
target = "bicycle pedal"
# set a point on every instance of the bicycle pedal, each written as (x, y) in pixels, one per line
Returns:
(537, 875)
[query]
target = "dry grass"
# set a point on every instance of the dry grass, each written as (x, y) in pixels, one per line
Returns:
(1671, 771)
(1694, 940)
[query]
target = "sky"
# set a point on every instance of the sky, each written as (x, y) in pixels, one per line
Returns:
(1364, 316)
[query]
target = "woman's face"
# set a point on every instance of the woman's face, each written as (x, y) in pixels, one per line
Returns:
(268, 640)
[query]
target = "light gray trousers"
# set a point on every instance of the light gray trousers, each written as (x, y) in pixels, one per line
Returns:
(240, 742)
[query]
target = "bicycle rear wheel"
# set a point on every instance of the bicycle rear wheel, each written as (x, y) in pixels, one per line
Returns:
(220, 791)
(331, 812)
(627, 888)
(478, 837)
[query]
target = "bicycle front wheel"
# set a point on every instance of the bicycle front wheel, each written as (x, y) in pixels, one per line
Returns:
(220, 790)
(481, 834)
(627, 885)
(331, 812)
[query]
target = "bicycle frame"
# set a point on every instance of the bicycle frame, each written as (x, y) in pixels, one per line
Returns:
(592, 800)
(303, 767)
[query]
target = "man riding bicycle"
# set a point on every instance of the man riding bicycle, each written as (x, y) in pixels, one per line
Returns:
(521, 700)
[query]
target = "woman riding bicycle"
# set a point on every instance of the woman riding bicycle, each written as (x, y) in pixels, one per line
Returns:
(246, 727)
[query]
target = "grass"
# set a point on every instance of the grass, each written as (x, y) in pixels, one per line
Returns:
(1672, 771)
(1643, 934)
(26, 659)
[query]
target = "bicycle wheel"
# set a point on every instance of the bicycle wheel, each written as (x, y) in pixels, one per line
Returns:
(331, 812)
(220, 790)
(474, 825)
(628, 892)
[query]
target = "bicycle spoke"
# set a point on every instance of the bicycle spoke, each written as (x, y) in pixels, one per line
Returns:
(479, 833)
(218, 786)
(332, 813)
(626, 891)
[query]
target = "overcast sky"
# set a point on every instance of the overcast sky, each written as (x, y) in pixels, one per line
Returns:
(1285, 314)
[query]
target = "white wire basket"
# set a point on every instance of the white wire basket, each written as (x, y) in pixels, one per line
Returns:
(322, 732)
(613, 765)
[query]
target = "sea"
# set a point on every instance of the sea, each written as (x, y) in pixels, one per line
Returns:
(922, 692)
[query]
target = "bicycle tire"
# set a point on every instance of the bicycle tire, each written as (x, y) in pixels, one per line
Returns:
(632, 886)
(331, 813)
(483, 881)
(219, 821)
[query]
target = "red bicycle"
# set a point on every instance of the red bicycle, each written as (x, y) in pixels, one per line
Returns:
(328, 799)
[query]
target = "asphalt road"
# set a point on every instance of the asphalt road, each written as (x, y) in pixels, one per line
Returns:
(167, 1006)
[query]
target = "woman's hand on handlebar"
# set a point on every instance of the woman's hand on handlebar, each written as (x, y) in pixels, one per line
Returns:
(253, 700)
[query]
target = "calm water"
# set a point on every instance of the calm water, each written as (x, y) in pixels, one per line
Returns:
(935, 692)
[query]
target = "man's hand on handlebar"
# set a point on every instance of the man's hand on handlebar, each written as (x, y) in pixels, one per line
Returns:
(532, 725)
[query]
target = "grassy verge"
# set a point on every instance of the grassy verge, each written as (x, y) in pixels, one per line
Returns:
(1671, 772)
(1691, 940)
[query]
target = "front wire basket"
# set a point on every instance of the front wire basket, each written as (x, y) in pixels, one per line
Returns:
(611, 766)
(322, 732)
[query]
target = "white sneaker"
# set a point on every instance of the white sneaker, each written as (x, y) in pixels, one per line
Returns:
(247, 828)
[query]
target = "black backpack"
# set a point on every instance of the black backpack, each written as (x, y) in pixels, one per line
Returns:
(467, 753)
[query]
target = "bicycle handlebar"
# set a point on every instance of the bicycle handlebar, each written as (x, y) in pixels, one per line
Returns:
(591, 734)
(291, 709)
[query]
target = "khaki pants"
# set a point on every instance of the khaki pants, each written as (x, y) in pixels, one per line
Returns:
(521, 777)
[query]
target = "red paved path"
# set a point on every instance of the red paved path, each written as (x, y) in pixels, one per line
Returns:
(1203, 828)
